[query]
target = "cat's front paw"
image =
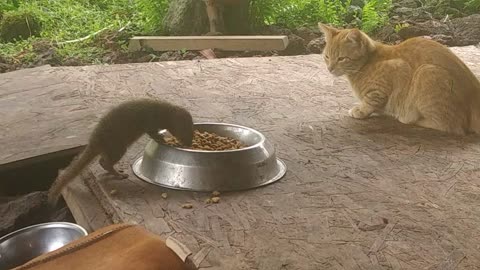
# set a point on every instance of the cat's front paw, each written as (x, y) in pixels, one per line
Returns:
(357, 113)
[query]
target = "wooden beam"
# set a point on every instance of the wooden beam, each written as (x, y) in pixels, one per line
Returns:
(196, 43)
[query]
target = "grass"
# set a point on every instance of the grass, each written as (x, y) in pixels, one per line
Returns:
(66, 20)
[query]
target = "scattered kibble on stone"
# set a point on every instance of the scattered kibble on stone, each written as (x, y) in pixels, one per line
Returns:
(164, 195)
(215, 199)
(187, 205)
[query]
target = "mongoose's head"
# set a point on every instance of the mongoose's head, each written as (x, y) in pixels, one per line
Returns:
(181, 126)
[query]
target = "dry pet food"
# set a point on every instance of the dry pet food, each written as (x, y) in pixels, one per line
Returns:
(208, 141)
(187, 205)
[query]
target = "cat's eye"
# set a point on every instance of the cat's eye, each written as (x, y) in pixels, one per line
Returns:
(340, 59)
(326, 57)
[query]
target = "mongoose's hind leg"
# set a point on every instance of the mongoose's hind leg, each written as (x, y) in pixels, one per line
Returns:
(108, 160)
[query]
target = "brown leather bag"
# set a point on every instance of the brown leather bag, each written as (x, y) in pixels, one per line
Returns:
(119, 247)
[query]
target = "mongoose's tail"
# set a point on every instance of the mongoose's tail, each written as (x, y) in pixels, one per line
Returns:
(67, 176)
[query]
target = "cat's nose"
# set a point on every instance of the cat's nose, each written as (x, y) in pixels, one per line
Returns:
(330, 68)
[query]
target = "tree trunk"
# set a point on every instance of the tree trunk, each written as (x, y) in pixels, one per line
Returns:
(189, 17)
(237, 17)
(186, 17)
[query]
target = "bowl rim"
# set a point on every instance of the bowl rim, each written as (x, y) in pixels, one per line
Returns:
(262, 140)
(281, 165)
(46, 224)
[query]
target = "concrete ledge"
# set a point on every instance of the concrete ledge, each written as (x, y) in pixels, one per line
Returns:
(195, 43)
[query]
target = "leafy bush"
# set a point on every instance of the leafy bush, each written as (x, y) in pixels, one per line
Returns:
(150, 15)
(375, 14)
(19, 24)
(7, 5)
(66, 20)
(473, 5)
(71, 19)
(293, 13)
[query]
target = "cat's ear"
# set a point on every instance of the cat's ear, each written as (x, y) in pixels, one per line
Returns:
(354, 36)
(328, 31)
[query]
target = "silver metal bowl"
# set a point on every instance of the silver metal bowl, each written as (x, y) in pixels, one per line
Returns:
(21, 246)
(199, 170)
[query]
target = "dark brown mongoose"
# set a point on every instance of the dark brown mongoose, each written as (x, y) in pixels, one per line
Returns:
(118, 129)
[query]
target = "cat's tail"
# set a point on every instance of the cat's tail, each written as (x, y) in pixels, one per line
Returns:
(475, 109)
(67, 176)
(475, 119)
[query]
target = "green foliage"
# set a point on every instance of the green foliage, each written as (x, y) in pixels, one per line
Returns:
(400, 26)
(333, 12)
(293, 13)
(375, 14)
(7, 5)
(150, 15)
(71, 19)
(19, 24)
(65, 20)
(473, 5)
(9, 50)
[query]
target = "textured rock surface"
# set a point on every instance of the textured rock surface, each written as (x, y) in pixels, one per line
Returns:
(296, 46)
(467, 30)
(186, 17)
(22, 211)
(316, 45)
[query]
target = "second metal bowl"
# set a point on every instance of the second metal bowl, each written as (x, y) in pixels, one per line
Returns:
(21, 246)
(198, 170)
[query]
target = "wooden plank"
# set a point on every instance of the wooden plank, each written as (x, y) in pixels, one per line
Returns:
(381, 238)
(41, 158)
(196, 43)
(85, 207)
(452, 261)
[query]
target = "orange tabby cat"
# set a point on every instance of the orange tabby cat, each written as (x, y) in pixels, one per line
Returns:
(418, 82)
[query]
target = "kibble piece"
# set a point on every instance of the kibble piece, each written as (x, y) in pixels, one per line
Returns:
(215, 193)
(164, 195)
(208, 201)
(187, 205)
(215, 199)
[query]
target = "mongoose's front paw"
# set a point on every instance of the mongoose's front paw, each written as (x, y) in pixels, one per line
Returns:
(356, 112)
